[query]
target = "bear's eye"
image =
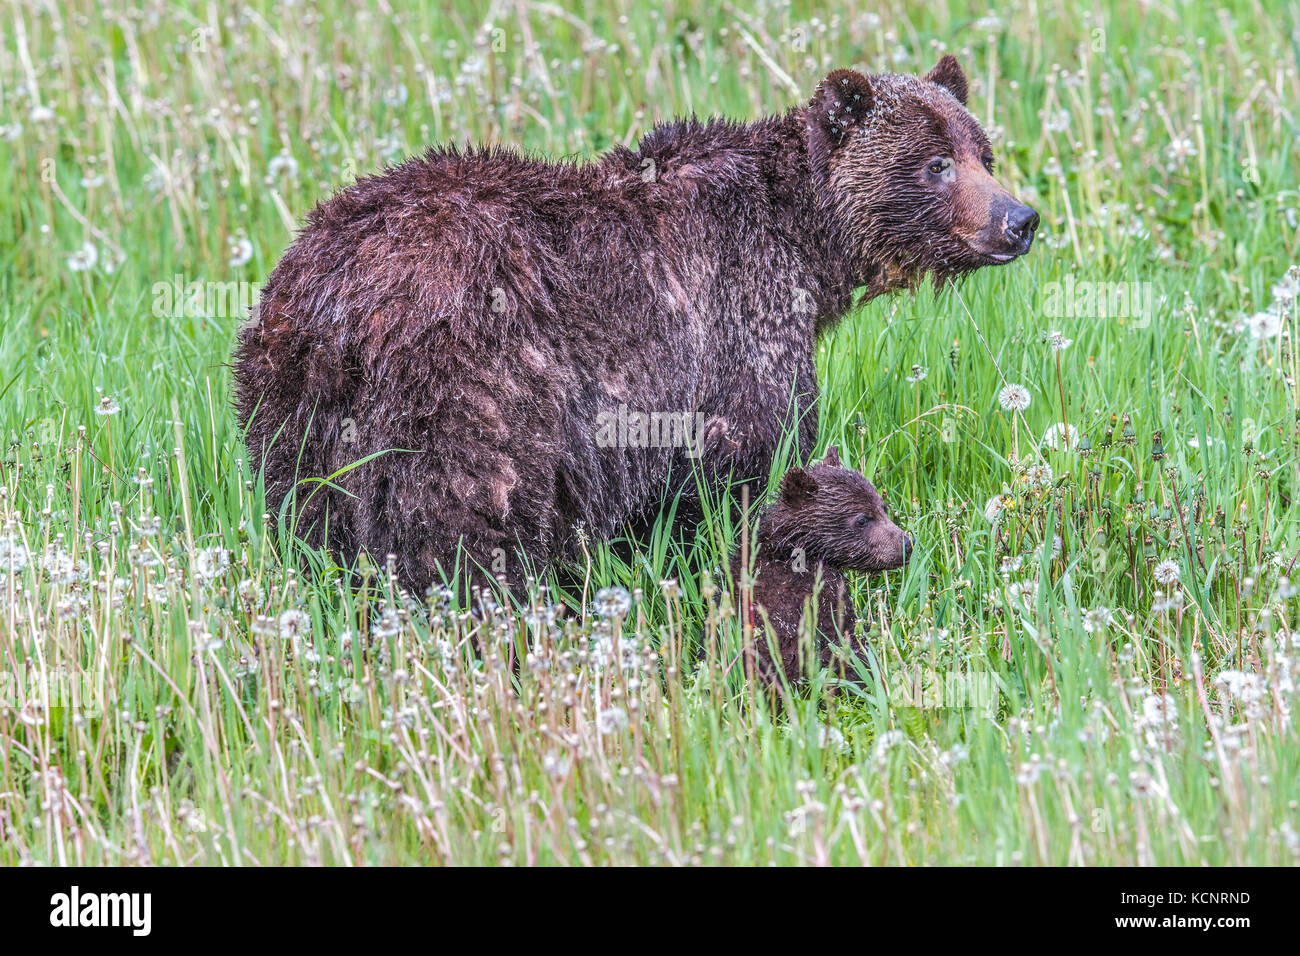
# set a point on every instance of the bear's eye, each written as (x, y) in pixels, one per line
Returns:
(860, 521)
(939, 166)
(987, 160)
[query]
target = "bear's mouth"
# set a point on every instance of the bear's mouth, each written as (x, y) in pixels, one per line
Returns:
(990, 254)
(997, 257)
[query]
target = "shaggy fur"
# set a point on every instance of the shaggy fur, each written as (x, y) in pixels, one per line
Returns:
(826, 520)
(464, 319)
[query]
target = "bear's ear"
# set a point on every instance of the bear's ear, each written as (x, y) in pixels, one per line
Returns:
(832, 457)
(949, 74)
(839, 105)
(798, 487)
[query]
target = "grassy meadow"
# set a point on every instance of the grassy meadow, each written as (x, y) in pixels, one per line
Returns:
(1091, 659)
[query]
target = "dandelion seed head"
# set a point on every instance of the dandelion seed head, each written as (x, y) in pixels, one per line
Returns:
(83, 259)
(241, 252)
(1264, 325)
(611, 720)
(1167, 572)
(612, 602)
(282, 165)
(211, 562)
(1058, 341)
(832, 739)
(1014, 398)
(1059, 435)
(294, 624)
(1097, 620)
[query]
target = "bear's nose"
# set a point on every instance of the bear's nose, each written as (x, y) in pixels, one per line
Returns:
(907, 546)
(1021, 223)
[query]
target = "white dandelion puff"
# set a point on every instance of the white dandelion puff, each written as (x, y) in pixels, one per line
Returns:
(396, 95)
(294, 624)
(1167, 572)
(1060, 434)
(241, 252)
(1052, 549)
(612, 602)
(83, 259)
(1014, 398)
(13, 556)
(1180, 148)
(1058, 341)
(1284, 292)
(282, 164)
(832, 739)
(556, 765)
(210, 563)
(611, 720)
(1097, 620)
(1244, 686)
(1040, 474)
(1264, 325)
(887, 741)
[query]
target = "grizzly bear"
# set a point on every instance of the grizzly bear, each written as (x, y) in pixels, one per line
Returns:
(440, 362)
(825, 521)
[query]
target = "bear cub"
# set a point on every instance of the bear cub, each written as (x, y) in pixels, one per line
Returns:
(827, 519)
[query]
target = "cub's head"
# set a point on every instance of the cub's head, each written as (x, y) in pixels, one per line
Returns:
(908, 174)
(836, 516)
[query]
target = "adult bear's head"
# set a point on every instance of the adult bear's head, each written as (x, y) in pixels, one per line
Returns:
(907, 173)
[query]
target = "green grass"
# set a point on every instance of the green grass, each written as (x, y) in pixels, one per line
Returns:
(159, 706)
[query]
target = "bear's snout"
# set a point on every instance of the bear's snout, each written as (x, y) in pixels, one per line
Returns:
(902, 549)
(1009, 231)
(1020, 225)
(887, 547)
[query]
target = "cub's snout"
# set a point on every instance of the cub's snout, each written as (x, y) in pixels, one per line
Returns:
(889, 546)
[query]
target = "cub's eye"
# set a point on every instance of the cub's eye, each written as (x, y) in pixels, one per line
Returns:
(987, 160)
(860, 521)
(939, 166)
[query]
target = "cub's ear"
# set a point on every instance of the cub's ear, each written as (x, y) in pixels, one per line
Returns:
(839, 105)
(798, 487)
(832, 457)
(948, 74)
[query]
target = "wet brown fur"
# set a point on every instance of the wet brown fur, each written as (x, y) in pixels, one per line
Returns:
(466, 316)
